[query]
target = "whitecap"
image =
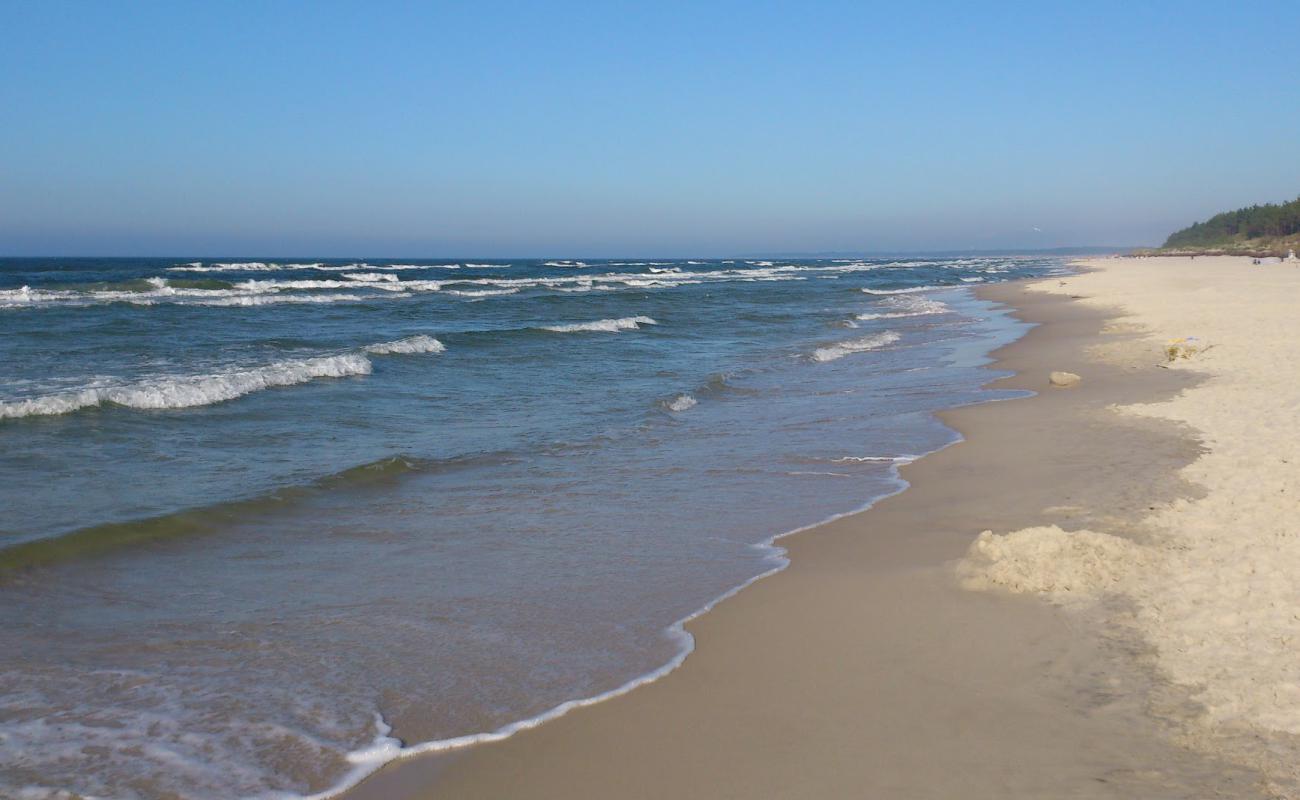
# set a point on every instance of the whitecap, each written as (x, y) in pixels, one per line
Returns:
(905, 306)
(911, 290)
(274, 299)
(862, 345)
(481, 292)
(681, 402)
(603, 325)
(167, 392)
(409, 345)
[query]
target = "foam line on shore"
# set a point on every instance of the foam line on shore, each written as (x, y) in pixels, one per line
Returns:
(385, 748)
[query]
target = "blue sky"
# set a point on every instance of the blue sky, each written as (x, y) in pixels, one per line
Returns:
(660, 128)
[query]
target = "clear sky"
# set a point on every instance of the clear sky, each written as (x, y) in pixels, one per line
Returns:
(657, 128)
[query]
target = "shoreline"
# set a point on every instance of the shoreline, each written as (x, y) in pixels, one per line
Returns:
(827, 679)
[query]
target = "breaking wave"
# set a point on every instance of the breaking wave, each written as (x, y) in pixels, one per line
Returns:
(842, 349)
(905, 306)
(193, 390)
(911, 290)
(603, 325)
(409, 345)
(481, 292)
(681, 402)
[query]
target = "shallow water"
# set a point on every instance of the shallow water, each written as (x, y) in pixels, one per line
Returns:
(258, 514)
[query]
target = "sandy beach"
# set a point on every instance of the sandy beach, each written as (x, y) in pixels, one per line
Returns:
(1131, 639)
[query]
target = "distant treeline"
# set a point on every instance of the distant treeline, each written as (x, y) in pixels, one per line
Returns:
(1269, 221)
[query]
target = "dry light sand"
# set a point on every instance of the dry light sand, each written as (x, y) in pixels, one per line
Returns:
(905, 654)
(1214, 585)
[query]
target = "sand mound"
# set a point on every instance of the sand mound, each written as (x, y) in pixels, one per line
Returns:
(1064, 566)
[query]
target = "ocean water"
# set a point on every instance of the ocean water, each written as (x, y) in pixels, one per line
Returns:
(268, 524)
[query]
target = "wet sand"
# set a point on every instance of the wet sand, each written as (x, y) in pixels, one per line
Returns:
(865, 670)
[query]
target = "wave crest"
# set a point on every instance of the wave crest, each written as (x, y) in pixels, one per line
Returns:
(411, 344)
(194, 390)
(603, 325)
(862, 345)
(681, 402)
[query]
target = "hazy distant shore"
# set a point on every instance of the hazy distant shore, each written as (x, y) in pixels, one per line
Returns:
(872, 666)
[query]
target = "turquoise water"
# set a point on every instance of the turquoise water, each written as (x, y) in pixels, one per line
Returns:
(263, 516)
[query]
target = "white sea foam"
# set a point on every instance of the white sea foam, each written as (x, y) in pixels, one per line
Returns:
(245, 293)
(566, 264)
(260, 266)
(250, 266)
(409, 345)
(488, 266)
(602, 325)
(165, 392)
(481, 292)
(263, 286)
(274, 299)
(907, 306)
(885, 459)
(862, 345)
(374, 279)
(681, 402)
(911, 290)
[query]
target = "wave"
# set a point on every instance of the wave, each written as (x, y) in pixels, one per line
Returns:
(906, 306)
(482, 292)
(681, 402)
(268, 266)
(100, 539)
(842, 349)
(567, 264)
(488, 266)
(199, 292)
(247, 266)
(242, 266)
(371, 280)
(193, 390)
(409, 345)
(272, 285)
(910, 290)
(603, 325)
(274, 299)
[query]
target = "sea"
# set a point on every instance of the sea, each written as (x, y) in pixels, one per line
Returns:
(268, 524)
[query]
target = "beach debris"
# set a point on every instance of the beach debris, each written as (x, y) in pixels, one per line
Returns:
(1064, 379)
(1064, 566)
(1183, 348)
